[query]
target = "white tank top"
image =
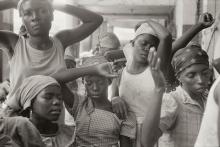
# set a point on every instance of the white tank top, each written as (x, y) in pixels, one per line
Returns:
(27, 61)
(208, 136)
(137, 90)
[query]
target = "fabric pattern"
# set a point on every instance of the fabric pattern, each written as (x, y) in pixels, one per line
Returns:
(187, 56)
(101, 128)
(180, 118)
(19, 132)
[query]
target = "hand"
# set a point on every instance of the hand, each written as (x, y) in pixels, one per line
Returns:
(105, 69)
(154, 63)
(119, 107)
(206, 20)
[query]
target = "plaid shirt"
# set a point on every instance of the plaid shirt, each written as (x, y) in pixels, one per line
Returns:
(180, 119)
(99, 128)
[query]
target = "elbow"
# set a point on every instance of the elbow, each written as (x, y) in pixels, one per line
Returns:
(167, 37)
(99, 20)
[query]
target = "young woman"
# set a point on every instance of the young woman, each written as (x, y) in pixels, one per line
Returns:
(136, 85)
(182, 109)
(38, 53)
(41, 97)
(96, 124)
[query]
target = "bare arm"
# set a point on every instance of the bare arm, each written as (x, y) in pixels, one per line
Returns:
(91, 21)
(165, 45)
(205, 21)
(152, 118)
(217, 100)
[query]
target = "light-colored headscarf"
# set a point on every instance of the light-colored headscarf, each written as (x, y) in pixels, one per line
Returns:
(21, 2)
(28, 90)
(145, 28)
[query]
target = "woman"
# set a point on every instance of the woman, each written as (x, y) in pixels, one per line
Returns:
(39, 53)
(182, 109)
(41, 97)
(136, 85)
(96, 124)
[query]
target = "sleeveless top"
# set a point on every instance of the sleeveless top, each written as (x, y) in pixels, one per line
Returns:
(208, 134)
(27, 61)
(137, 90)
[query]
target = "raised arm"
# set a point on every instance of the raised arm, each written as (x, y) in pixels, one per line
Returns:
(165, 45)
(152, 117)
(217, 100)
(205, 21)
(90, 22)
(68, 75)
(8, 39)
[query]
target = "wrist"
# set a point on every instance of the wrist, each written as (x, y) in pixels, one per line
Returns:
(200, 26)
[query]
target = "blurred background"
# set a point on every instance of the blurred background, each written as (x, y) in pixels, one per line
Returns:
(120, 17)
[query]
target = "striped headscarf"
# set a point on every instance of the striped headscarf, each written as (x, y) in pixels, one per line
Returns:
(28, 91)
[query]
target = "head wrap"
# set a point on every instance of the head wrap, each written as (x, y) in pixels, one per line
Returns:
(94, 60)
(109, 40)
(192, 54)
(145, 28)
(21, 2)
(28, 90)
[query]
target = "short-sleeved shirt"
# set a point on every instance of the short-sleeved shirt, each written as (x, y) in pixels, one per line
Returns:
(99, 127)
(180, 119)
(19, 132)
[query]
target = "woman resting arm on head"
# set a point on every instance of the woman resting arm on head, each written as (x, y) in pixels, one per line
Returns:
(40, 54)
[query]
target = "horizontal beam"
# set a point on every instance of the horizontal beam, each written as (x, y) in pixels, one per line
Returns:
(131, 10)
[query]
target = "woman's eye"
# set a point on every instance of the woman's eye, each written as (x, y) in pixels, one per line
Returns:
(191, 75)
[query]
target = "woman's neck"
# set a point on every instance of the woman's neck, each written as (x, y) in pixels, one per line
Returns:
(40, 43)
(101, 103)
(136, 68)
(44, 126)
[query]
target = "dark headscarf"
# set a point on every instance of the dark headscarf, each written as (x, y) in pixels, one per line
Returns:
(192, 54)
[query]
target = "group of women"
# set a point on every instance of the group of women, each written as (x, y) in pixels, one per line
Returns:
(139, 112)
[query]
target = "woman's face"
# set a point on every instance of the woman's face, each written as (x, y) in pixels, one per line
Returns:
(195, 79)
(142, 45)
(48, 103)
(37, 17)
(96, 86)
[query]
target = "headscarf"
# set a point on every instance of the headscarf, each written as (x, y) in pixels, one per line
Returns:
(192, 54)
(94, 60)
(145, 28)
(109, 40)
(28, 91)
(21, 2)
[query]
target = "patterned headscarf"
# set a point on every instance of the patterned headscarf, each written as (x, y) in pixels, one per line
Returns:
(192, 54)
(28, 91)
(94, 60)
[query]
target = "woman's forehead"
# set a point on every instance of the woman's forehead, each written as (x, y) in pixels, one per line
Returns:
(34, 4)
